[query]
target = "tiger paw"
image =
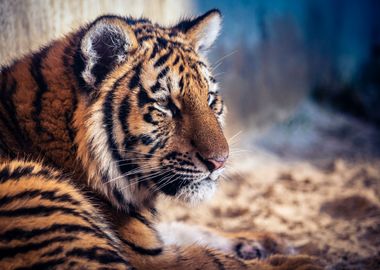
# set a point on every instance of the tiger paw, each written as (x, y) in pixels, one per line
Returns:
(258, 245)
(250, 250)
(298, 262)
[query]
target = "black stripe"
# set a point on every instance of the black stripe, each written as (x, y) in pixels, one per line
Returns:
(135, 80)
(159, 144)
(145, 221)
(8, 252)
(154, 51)
(6, 174)
(129, 140)
(138, 31)
(78, 64)
(54, 252)
(108, 112)
(213, 103)
(146, 139)
(38, 210)
(145, 38)
(69, 114)
(198, 75)
(143, 98)
(201, 63)
(149, 119)
(143, 251)
(156, 87)
(162, 42)
(184, 162)
(215, 260)
(26, 235)
(45, 195)
(142, 219)
(181, 84)
(172, 155)
(42, 87)
(176, 113)
(176, 60)
(48, 265)
(7, 92)
(162, 60)
(101, 255)
(119, 196)
(124, 111)
(163, 73)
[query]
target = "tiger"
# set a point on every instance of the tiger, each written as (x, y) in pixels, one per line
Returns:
(98, 124)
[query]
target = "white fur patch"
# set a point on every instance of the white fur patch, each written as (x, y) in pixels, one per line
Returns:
(197, 192)
(215, 174)
(208, 34)
(180, 234)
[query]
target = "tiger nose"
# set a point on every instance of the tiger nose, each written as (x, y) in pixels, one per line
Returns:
(217, 163)
(213, 164)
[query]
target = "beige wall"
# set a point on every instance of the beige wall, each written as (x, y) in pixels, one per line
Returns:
(25, 25)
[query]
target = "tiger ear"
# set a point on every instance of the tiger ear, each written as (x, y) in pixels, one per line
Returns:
(106, 44)
(203, 30)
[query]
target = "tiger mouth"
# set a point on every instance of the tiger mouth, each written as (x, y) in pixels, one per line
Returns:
(197, 191)
(178, 186)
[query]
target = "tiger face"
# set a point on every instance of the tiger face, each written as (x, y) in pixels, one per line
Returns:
(154, 114)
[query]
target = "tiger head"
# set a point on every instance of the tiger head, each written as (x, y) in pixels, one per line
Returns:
(154, 115)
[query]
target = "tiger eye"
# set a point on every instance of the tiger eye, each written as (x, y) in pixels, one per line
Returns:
(163, 102)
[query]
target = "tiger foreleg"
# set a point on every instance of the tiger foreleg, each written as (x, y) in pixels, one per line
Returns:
(181, 246)
(244, 245)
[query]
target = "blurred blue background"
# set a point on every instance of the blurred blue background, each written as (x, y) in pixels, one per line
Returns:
(309, 70)
(283, 50)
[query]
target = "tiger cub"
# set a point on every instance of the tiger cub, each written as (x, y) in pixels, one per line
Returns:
(98, 123)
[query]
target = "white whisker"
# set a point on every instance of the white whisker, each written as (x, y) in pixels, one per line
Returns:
(234, 136)
(219, 61)
(145, 178)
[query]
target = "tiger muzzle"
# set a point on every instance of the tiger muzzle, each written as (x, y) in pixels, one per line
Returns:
(208, 140)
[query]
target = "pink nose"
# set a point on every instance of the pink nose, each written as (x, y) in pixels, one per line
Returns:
(213, 164)
(217, 163)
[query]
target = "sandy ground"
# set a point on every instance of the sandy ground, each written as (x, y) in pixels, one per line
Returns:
(329, 209)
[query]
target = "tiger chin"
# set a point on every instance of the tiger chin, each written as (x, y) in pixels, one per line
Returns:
(98, 123)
